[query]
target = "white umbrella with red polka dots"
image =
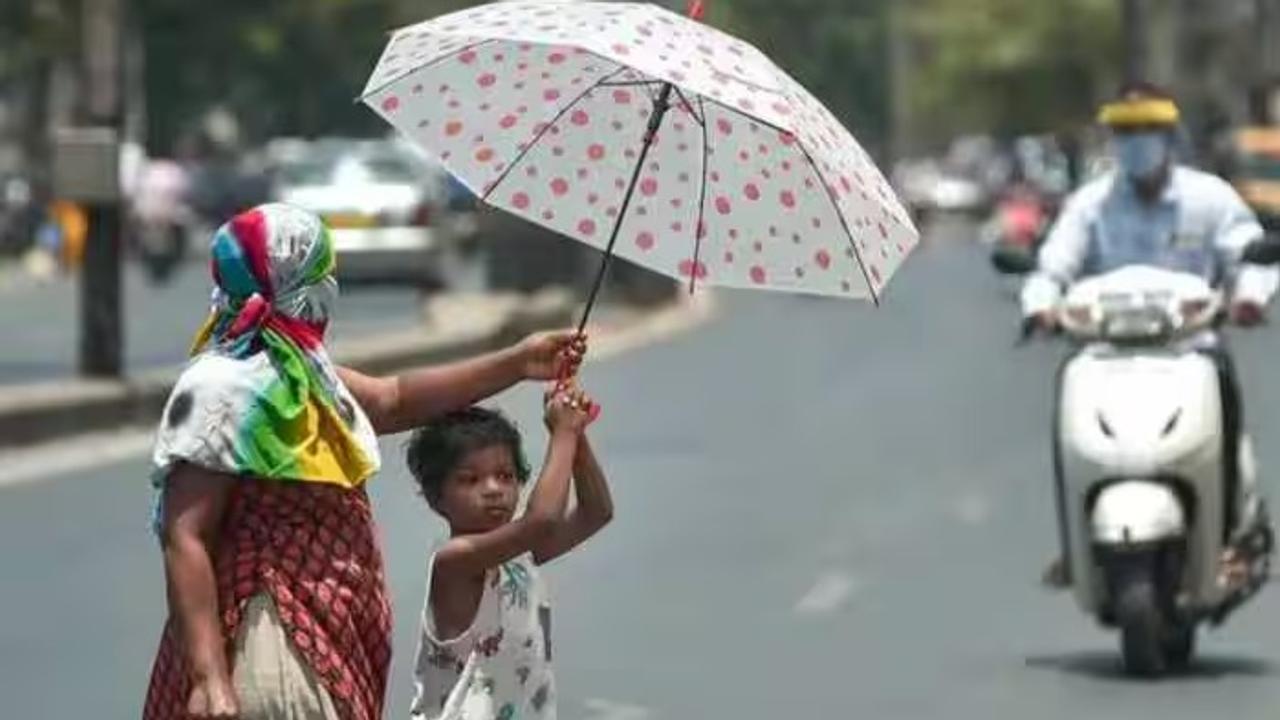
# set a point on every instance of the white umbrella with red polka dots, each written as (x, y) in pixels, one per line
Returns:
(651, 136)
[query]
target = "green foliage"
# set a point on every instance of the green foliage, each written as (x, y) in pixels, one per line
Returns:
(1012, 66)
(838, 49)
(283, 67)
(294, 66)
(33, 32)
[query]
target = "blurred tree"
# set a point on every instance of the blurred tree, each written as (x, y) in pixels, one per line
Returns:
(281, 67)
(1012, 66)
(288, 66)
(294, 66)
(32, 32)
(34, 38)
(1002, 66)
(838, 49)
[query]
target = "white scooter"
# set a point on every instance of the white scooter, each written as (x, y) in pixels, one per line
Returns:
(1143, 500)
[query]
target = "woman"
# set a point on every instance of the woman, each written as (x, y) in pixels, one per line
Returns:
(277, 603)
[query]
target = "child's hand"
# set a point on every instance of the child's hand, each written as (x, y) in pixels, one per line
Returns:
(568, 408)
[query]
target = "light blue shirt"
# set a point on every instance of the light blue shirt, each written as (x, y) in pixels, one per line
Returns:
(1198, 225)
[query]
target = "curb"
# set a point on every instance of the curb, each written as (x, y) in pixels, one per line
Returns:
(40, 412)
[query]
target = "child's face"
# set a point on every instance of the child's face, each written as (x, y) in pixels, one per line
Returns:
(481, 492)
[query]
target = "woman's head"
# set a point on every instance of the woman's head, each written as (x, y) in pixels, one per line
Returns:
(470, 467)
(275, 259)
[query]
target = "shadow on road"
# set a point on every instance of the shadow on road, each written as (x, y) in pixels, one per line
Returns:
(1102, 665)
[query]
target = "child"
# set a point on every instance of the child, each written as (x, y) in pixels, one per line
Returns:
(484, 651)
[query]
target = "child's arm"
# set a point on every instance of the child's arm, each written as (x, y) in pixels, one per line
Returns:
(472, 554)
(593, 511)
(193, 507)
(403, 402)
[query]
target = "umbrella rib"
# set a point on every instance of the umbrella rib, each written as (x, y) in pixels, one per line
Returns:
(684, 101)
(632, 83)
(538, 136)
(424, 66)
(862, 265)
(660, 108)
(699, 228)
(749, 116)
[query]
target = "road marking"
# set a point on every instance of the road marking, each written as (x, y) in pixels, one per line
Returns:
(601, 709)
(71, 455)
(83, 452)
(830, 592)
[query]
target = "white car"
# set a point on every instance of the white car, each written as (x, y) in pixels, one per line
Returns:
(385, 207)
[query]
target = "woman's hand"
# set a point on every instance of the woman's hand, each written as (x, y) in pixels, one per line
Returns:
(552, 355)
(215, 698)
(1247, 313)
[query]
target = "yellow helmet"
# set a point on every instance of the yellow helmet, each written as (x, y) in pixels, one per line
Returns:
(1140, 105)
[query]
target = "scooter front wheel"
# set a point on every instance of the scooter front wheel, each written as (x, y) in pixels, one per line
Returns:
(1142, 637)
(1180, 646)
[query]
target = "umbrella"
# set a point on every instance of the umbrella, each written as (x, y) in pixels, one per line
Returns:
(651, 136)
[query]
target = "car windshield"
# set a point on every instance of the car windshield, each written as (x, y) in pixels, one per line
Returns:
(309, 172)
(372, 168)
(388, 169)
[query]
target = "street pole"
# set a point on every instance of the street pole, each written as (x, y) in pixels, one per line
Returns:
(1134, 18)
(101, 331)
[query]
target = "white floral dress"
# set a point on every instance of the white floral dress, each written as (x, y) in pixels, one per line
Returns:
(500, 668)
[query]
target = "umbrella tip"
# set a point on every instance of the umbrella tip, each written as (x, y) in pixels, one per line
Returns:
(696, 9)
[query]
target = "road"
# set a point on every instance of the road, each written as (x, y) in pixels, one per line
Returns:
(824, 510)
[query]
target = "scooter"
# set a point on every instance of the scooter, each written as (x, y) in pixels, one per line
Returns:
(1145, 503)
(161, 225)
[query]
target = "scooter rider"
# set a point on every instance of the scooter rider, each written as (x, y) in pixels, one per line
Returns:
(1153, 211)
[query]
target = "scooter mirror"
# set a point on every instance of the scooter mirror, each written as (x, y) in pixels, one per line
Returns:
(1262, 252)
(1014, 260)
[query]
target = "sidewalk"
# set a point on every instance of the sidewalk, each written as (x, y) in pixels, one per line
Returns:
(457, 326)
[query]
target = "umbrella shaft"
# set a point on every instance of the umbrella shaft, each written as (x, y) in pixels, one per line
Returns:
(660, 108)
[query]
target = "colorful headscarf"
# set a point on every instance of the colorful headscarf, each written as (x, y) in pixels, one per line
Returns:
(262, 398)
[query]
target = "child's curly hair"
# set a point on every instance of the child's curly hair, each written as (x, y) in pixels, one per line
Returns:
(436, 448)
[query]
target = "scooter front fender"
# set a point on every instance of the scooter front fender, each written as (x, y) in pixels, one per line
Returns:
(1136, 512)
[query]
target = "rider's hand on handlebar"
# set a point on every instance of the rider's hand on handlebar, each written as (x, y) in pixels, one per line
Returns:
(1045, 321)
(1247, 313)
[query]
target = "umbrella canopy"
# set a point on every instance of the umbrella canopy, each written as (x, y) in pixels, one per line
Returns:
(651, 135)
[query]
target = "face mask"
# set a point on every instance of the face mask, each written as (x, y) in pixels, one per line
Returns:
(1141, 155)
